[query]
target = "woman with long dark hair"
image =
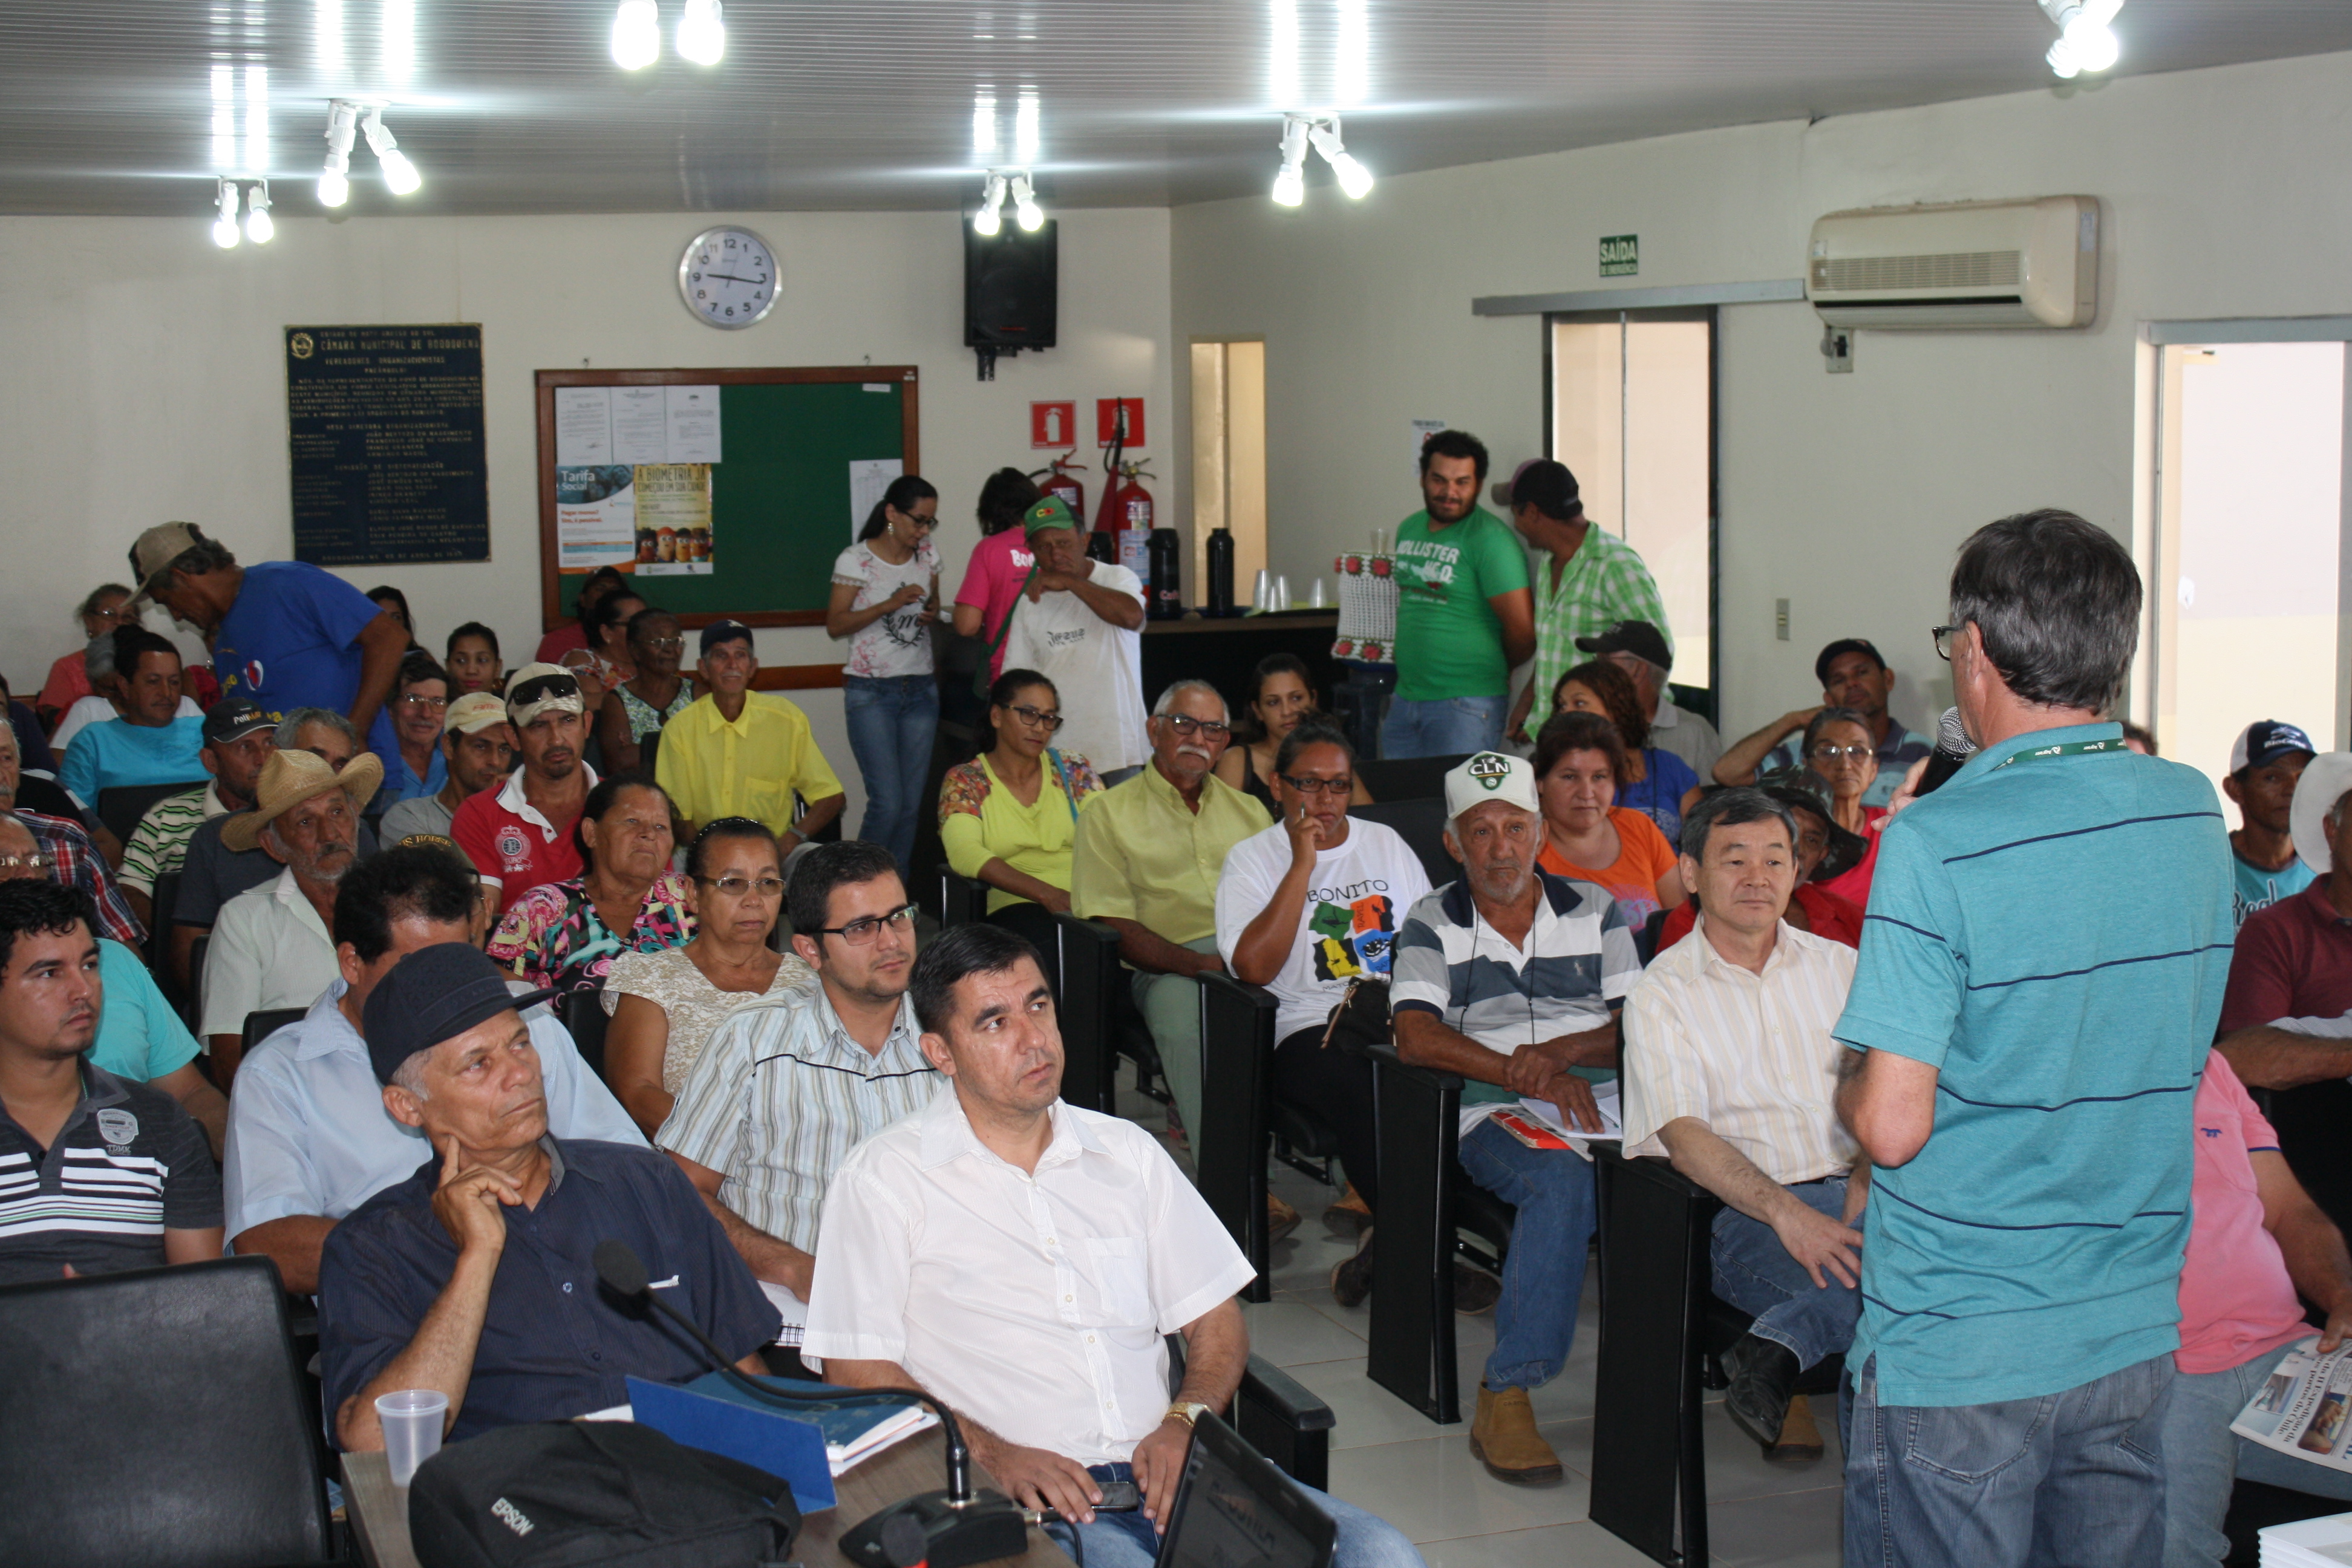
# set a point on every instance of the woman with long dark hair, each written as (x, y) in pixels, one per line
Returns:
(1000, 562)
(1281, 696)
(1010, 816)
(886, 593)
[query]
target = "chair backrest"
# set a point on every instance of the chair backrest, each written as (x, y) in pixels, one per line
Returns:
(122, 807)
(646, 749)
(582, 1013)
(1091, 976)
(1237, 1045)
(163, 902)
(259, 1026)
(1646, 941)
(157, 1416)
(964, 900)
(829, 833)
(1407, 778)
(1421, 824)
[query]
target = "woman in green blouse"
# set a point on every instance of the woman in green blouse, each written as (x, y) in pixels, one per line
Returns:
(1010, 816)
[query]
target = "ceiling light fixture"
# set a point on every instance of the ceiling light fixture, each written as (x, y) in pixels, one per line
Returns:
(702, 32)
(1352, 70)
(1290, 184)
(328, 28)
(1355, 180)
(224, 230)
(636, 34)
(1285, 82)
(1025, 210)
(1322, 133)
(400, 175)
(258, 227)
(990, 220)
(334, 180)
(2085, 42)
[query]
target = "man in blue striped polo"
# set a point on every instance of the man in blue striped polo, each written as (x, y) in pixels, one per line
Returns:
(2041, 970)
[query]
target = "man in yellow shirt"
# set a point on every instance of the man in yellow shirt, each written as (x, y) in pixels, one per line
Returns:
(729, 755)
(1146, 864)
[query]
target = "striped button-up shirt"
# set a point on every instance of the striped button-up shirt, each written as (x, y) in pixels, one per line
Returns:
(1749, 1055)
(781, 1094)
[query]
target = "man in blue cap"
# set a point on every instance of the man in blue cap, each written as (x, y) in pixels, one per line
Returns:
(2265, 764)
(412, 1291)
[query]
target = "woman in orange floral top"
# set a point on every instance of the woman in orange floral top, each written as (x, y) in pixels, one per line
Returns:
(1010, 816)
(566, 934)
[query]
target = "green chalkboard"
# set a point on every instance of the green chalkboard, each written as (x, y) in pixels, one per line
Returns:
(780, 494)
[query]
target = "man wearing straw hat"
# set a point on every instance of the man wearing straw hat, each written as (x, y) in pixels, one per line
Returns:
(270, 948)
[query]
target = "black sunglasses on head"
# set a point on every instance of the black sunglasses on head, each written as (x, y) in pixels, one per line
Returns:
(539, 688)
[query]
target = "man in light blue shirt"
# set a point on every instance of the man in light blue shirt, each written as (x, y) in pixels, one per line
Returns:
(309, 1138)
(2041, 970)
(152, 743)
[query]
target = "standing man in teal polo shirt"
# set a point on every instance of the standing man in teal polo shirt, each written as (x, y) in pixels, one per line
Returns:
(1466, 614)
(2040, 974)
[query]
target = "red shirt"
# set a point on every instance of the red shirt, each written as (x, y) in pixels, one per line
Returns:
(1832, 916)
(558, 642)
(512, 847)
(2293, 960)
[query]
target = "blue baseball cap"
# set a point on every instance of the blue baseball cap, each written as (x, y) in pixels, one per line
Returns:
(2266, 741)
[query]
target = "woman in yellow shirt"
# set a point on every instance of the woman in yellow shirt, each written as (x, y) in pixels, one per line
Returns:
(1010, 816)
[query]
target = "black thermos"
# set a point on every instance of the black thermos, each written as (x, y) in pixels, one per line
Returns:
(1167, 603)
(1101, 547)
(1220, 571)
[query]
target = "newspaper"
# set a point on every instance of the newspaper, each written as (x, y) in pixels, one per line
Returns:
(2302, 1409)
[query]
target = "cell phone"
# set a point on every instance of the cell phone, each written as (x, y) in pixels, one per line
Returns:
(1118, 1497)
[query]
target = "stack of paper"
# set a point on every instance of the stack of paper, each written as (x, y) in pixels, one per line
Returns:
(2309, 1544)
(1604, 1095)
(898, 1426)
(791, 1307)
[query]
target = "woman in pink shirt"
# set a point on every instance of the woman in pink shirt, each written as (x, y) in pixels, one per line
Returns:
(2255, 1238)
(1000, 562)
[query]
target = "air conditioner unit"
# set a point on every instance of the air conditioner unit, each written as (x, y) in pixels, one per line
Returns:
(1969, 264)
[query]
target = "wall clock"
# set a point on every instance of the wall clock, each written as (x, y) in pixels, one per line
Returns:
(728, 276)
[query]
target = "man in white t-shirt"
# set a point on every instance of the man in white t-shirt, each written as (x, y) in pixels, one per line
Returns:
(1080, 624)
(1304, 908)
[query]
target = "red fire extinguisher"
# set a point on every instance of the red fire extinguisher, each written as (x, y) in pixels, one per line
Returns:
(1058, 480)
(1129, 508)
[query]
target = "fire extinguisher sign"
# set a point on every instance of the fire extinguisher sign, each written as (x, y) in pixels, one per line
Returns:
(1052, 425)
(1109, 411)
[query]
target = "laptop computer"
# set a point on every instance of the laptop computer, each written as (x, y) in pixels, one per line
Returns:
(1234, 1509)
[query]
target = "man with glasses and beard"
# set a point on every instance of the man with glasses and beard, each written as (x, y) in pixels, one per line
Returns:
(1146, 864)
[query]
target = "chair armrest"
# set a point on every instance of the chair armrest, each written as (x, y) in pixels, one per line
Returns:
(1386, 1060)
(1238, 994)
(1297, 1406)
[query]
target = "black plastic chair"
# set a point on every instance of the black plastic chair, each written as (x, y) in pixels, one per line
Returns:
(260, 1026)
(1240, 1120)
(583, 1019)
(163, 899)
(962, 900)
(1421, 823)
(1277, 1415)
(197, 952)
(1092, 982)
(158, 1417)
(121, 809)
(1406, 778)
(1646, 941)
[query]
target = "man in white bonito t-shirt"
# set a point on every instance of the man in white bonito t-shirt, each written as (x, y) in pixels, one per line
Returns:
(1080, 624)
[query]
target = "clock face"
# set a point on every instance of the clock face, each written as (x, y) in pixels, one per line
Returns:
(727, 278)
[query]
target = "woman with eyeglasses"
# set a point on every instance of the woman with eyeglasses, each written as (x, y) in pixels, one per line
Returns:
(1658, 784)
(665, 1005)
(1841, 760)
(649, 699)
(417, 768)
(886, 595)
(472, 659)
(104, 608)
(1580, 762)
(1010, 816)
(1280, 697)
(625, 900)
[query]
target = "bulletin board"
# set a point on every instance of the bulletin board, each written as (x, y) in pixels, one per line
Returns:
(750, 533)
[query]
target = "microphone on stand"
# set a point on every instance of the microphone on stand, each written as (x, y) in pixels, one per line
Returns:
(945, 1528)
(1953, 748)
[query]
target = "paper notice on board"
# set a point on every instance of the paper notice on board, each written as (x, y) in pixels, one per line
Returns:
(595, 517)
(867, 481)
(673, 537)
(640, 425)
(693, 414)
(583, 426)
(1423, 429)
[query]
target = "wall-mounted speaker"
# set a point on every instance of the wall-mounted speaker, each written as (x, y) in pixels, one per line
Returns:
(1011, 284)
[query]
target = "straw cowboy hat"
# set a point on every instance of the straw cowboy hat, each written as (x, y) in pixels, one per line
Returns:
(289, 778)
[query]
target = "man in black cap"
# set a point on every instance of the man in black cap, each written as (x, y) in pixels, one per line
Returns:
(1853, 675)
(237, 739)
(413, 1289)
(1639, 649)
(1593, 580)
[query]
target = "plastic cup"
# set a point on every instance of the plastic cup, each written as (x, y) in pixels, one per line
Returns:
(1262, 591)
(1316, 602)
(1282, 592)
(411, 1420)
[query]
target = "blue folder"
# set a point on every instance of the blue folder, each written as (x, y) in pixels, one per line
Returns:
(767, 1439)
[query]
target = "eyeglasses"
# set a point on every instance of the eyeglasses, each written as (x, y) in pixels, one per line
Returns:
(666, 645)
(861, 933)
(920, 524)
(767, 888)
(421, 703)
(1048, 721)
(1209, 729)
(1839, 753)
(1319, 786)
(27, 862)
(1943, 635)
(118, 617)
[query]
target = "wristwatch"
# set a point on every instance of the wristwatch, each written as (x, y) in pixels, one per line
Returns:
(1187, 1411)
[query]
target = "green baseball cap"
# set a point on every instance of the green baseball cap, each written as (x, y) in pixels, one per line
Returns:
(1052, 511)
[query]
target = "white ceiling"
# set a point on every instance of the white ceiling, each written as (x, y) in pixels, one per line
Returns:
(514, 105)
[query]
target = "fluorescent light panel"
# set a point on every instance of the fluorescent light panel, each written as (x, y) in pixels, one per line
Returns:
(399, 41)
(224, 116)
(1285, 84)
(983, 127)
(327, 23)
(257, 119)
(1024, 126)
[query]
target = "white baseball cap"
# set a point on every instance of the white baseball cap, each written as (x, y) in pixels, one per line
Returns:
(1490, 776)
(2323, 783)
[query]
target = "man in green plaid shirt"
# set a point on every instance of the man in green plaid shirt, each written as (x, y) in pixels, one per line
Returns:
(1593, 581)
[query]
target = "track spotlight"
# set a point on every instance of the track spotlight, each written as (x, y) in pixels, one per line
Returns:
(1355, 180)
(702, 32)
(335, 181)
(400, 175)
(2085, 42)
(1290, 183)
(636, 34)
(225, 232)
(990, 218)
(1025, 210)
(258, 227)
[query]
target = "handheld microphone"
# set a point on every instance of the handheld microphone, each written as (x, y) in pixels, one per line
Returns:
(1953, 748)
(946, 1529)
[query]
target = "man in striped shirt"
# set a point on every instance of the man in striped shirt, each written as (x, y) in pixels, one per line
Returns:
(1731, 1070)
(97, 1174)
(238, 738)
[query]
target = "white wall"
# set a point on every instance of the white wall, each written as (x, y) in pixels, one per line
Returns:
(145, 377)
(2224, 193)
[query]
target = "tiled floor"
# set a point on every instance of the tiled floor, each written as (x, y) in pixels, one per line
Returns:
(1421, 1477)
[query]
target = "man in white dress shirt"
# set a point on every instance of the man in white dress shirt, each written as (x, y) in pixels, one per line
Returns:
(1092, 1248)
(1731, 1073)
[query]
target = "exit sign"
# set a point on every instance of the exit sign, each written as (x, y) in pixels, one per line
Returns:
(1620, 255)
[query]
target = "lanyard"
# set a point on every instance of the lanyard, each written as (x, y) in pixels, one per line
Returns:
(2068, 749)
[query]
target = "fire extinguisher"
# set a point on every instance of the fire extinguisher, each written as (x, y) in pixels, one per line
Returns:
(1059, 480)
(1130, 506)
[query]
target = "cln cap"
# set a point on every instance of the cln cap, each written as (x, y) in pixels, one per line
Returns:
(1490, 776)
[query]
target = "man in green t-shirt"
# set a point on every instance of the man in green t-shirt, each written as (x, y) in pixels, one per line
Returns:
(1466, 614)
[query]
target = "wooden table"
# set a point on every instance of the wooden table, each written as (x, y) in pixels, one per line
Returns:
(379, 1510)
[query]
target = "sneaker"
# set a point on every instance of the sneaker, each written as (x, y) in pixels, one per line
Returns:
(1349, 1212)
(1763, 1377)
(1475, 1291)
(1351, 1279)
(1503, 1437)
(1281, 1219)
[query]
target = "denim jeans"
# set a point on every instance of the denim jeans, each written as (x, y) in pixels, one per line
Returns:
(1447, 727)
(2202, 1457)
(2075, 1477)
(891, 723)
(1130, 1540)
(1755, 1273)
(1543, 1274)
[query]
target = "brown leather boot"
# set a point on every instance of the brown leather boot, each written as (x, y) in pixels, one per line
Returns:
(1503, 1437)
(1800, 1439)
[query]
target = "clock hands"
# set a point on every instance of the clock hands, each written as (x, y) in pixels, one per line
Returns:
(730, 278)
